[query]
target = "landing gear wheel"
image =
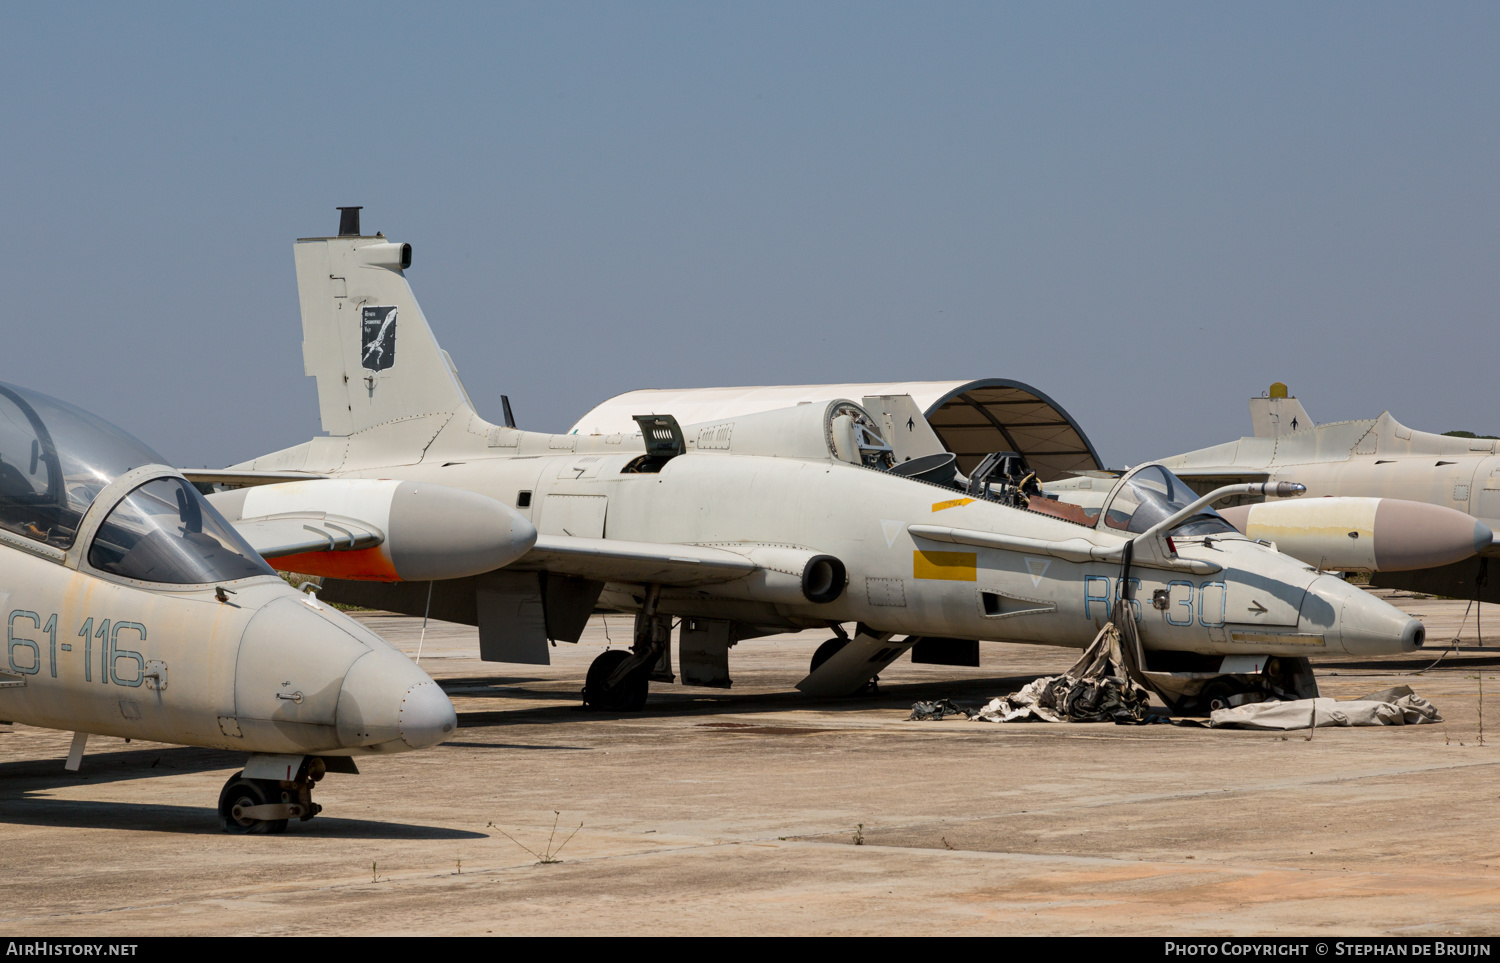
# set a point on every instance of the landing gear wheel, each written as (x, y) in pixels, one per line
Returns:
(826, 651)
(241, 793)
(1216, 695)
(628, 696)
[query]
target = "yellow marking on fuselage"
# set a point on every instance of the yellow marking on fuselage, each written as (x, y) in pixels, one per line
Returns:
(952, 503)
(947, 566)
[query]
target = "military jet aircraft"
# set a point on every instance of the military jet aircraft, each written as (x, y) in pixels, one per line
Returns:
(783, 520)
(1437, 497)
(134, 609)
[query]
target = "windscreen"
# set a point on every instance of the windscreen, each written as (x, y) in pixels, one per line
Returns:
(1153, 494)
(164, 531)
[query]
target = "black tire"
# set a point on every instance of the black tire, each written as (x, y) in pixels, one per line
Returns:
(1219, 690)
(629, 696)
(239, 791)
(826, 651)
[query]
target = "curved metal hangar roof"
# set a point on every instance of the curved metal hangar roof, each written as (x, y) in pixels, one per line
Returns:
(971, 418)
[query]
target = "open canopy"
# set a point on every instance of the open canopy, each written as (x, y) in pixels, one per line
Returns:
(971, 418)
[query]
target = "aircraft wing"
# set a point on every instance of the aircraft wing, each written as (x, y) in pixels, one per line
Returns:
(277, 535)
(243, 479)
(614, 560)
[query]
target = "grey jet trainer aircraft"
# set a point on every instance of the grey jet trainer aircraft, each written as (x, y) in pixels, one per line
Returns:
(785, 520)
(133, 609)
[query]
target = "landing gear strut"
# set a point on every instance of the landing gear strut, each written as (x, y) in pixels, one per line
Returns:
(619, 681)
(263, 806)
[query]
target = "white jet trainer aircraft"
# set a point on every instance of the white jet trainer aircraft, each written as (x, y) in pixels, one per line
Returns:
(772, 522)
(133, 609)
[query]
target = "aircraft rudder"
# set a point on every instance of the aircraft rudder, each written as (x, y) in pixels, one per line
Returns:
(1277, 413)
(364, 336)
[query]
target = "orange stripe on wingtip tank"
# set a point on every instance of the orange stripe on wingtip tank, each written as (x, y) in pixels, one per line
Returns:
(364, 565)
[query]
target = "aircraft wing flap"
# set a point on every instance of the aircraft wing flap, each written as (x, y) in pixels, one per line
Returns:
(277, 535)
(616, 560)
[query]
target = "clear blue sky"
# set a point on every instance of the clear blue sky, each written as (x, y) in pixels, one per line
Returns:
(1149, 211)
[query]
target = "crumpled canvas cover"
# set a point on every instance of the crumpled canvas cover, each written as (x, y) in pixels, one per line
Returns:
(1390, 707)
(1097, 688)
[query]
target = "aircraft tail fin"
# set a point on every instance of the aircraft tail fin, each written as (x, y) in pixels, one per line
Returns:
(1277, 413)
(364, 337)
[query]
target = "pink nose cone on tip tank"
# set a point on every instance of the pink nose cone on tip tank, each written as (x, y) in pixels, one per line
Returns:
(1413, 535)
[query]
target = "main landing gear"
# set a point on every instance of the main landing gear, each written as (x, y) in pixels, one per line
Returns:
(262, 806)
(831, 648)
(618, 681)
(613, 685)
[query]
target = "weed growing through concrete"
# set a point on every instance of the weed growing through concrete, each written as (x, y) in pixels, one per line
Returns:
(548, 855)
(859, 834)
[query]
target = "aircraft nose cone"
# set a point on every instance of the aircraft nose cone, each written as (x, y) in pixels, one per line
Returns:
(1357, 621)
(426, 717)
(388, 704)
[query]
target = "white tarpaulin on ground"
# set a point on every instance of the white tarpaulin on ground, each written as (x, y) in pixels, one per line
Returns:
(1097, 688)
(1392, 707)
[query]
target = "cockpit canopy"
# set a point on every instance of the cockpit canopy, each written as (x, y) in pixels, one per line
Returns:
(840, 430)
(164, 531)
(854, 437)
(55, 459)
(1152, 494)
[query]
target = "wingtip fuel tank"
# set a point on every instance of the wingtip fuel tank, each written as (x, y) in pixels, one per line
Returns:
(1351, 534)
(415, 531)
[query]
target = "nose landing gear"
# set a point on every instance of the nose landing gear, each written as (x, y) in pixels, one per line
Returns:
(264, 806)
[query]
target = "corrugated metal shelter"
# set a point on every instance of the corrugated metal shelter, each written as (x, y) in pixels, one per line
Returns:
(971, 418)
